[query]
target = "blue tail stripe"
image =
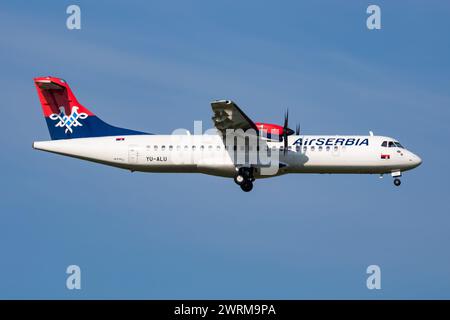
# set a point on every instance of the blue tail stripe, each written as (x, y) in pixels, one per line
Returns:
(92, 126)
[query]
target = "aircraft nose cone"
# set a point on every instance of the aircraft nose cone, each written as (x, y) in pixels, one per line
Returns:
(416, 160)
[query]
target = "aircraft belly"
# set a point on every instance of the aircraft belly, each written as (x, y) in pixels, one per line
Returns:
(224, 170)
(348, 161)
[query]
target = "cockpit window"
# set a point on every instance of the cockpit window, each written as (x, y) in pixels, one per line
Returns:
(392, 144)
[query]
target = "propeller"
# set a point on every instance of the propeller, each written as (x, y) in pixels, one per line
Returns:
(285, 131)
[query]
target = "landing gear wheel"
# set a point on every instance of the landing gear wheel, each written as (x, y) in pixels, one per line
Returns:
(247, 186)
(397, 182)
(239, 179)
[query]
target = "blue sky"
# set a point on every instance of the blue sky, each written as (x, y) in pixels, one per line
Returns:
(155, 66)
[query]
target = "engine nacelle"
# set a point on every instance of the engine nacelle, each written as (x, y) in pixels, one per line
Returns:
(268, 130)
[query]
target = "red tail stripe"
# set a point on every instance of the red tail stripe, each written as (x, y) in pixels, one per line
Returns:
(54, 93)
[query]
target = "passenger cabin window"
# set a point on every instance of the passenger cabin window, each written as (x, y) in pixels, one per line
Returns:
(163, 148)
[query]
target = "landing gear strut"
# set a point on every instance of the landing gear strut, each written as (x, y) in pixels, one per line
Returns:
(245, 178)
(396, 175)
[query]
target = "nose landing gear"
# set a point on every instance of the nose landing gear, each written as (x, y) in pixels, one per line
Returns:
(396, 175)
(244, 178)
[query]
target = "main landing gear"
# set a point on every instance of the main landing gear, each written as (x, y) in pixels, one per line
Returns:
(245, 178)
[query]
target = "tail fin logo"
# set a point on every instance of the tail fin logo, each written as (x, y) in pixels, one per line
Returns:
(68, 121)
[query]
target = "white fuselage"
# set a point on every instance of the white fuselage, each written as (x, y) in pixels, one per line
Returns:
(208, 154)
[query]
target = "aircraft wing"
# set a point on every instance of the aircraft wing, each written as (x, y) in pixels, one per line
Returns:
(227, 115)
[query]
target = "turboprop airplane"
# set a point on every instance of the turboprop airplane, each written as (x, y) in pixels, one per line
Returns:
(237, 148)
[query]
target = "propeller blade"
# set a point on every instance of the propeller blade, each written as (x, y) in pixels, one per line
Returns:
(286, 119)
(285, 129)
